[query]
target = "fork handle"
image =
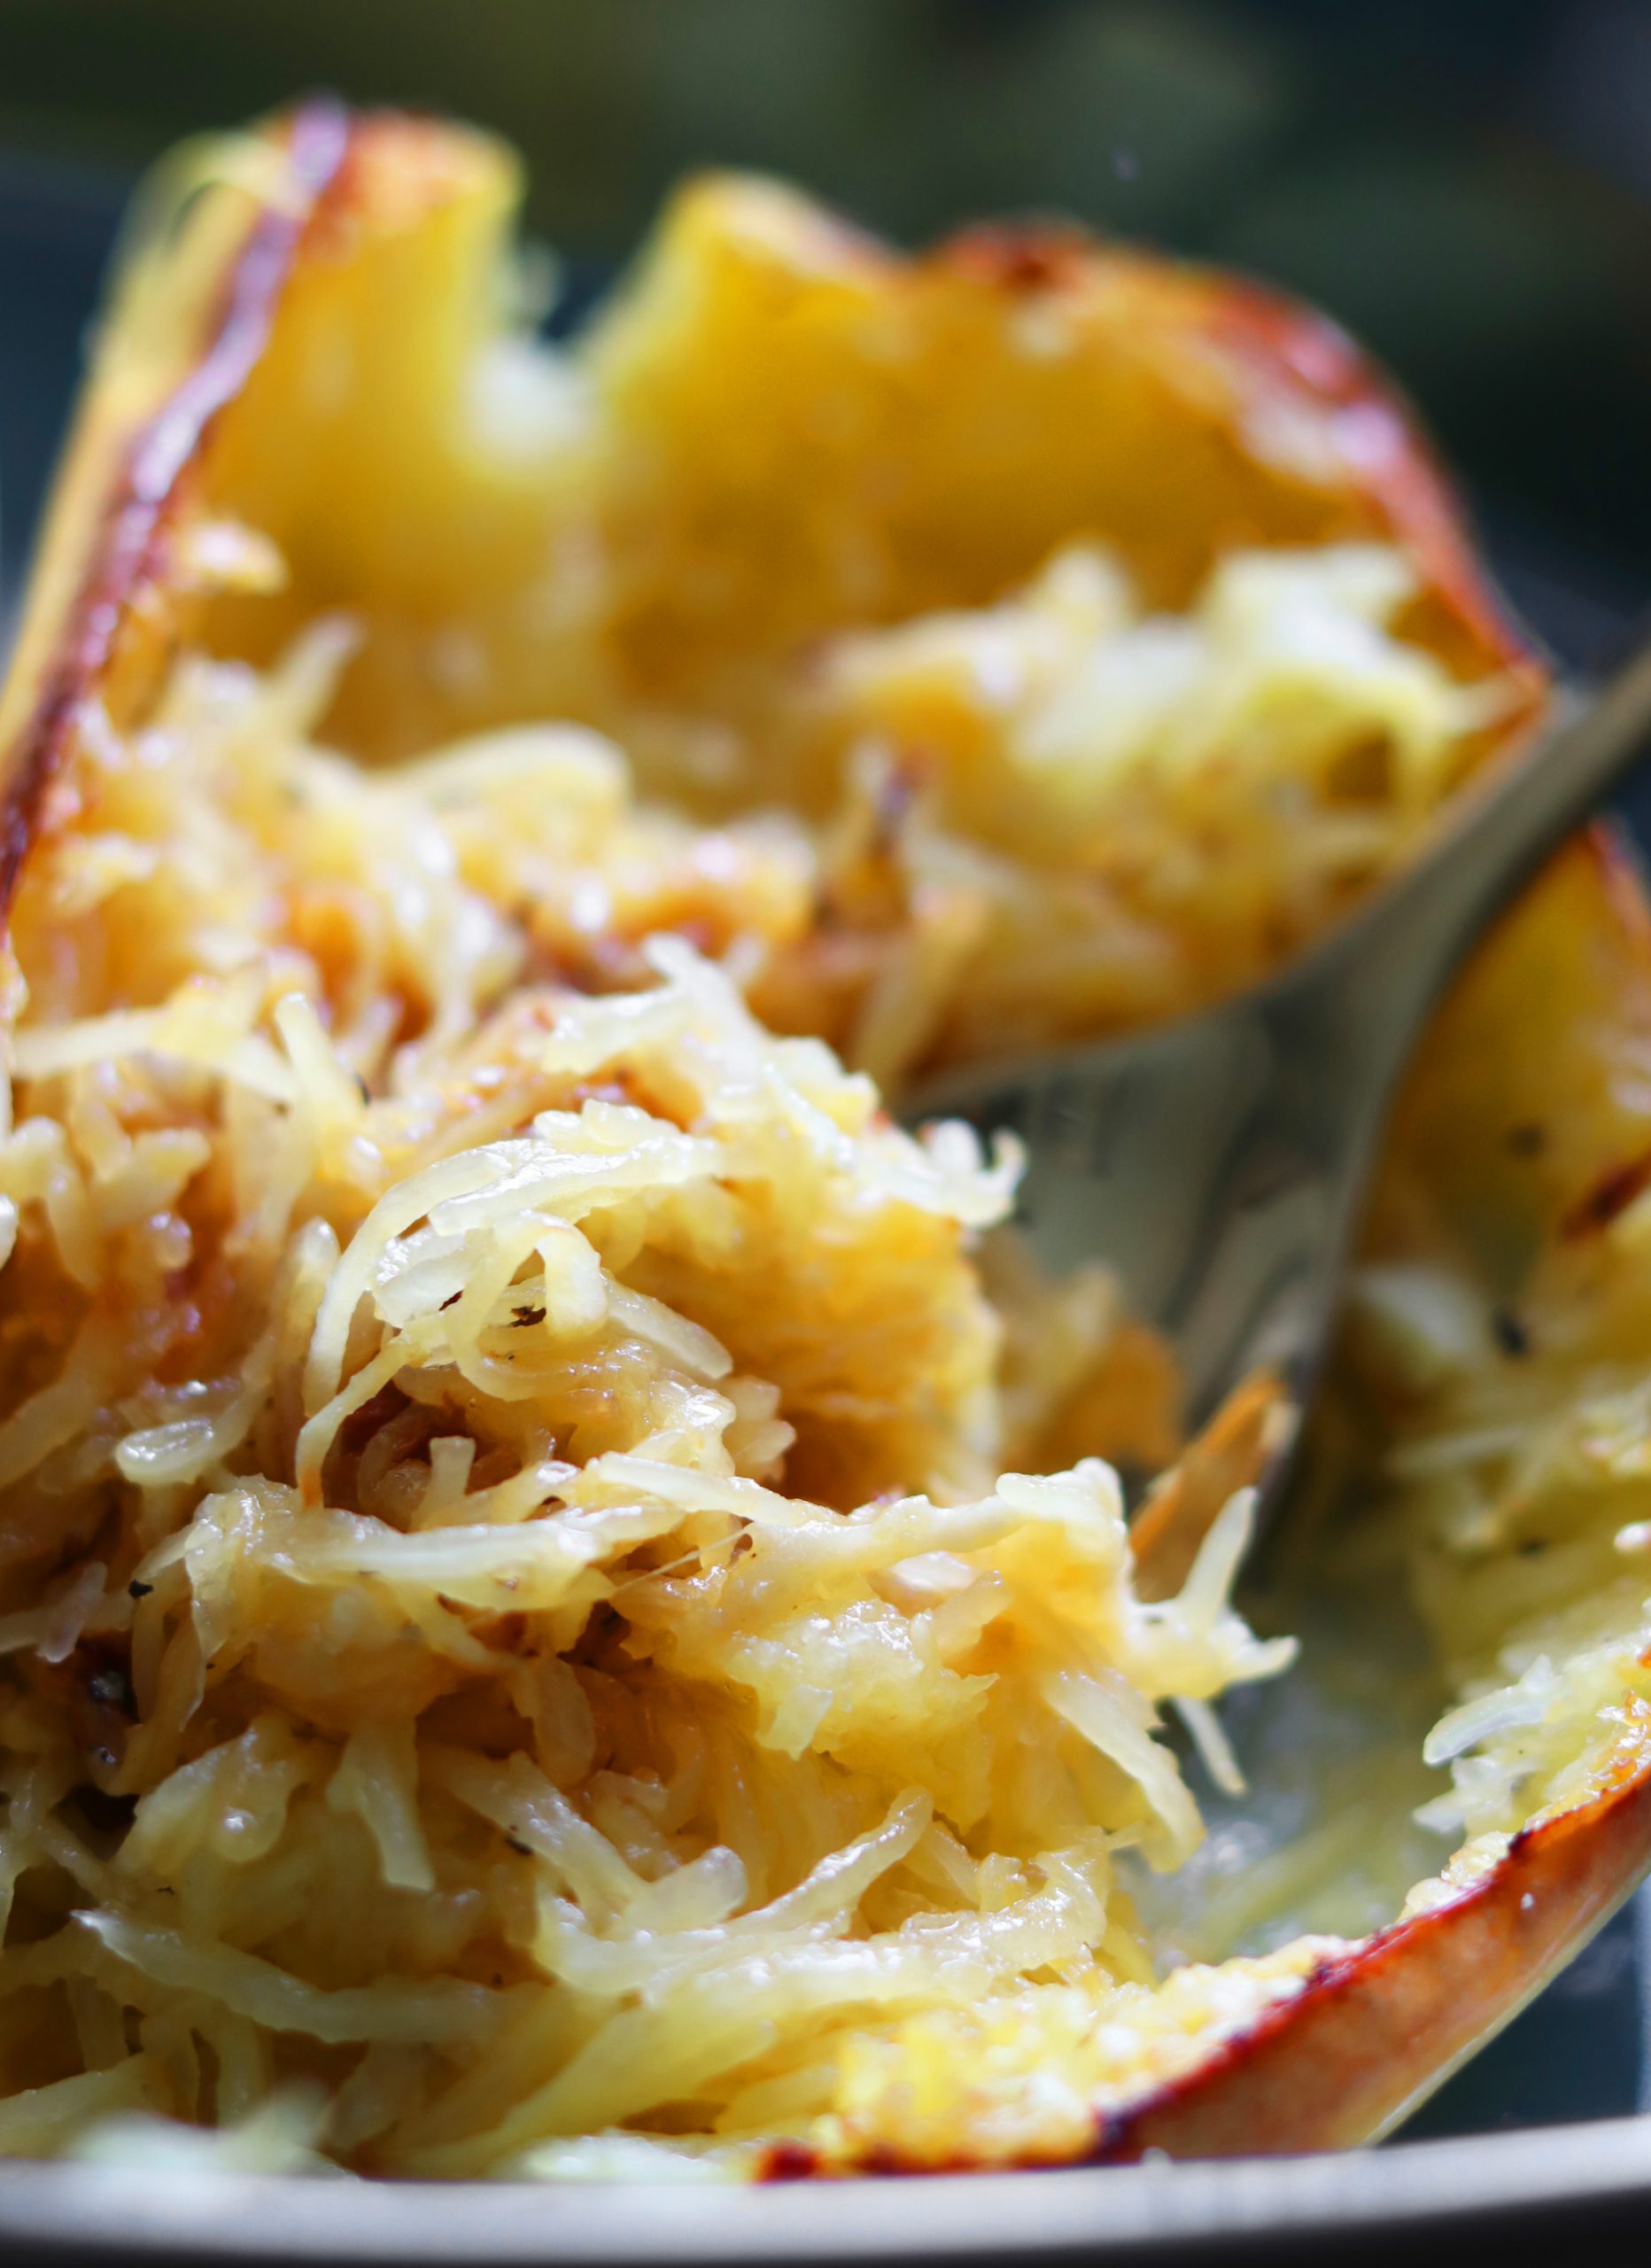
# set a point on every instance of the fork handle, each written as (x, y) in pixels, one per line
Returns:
(1411, 936)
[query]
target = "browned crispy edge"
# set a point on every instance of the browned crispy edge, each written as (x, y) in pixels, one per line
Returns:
(1376, 2026)
(1373, 2028)
(1290, 348)
(127, 558)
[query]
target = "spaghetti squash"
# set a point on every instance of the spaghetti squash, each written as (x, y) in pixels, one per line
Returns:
(566, 1601)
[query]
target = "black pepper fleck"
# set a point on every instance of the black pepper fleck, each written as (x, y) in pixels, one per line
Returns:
(1511, 1335)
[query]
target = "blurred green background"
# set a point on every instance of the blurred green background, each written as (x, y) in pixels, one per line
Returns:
(1466, 184)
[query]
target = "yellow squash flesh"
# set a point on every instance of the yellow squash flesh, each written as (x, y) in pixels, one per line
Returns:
(819, 433)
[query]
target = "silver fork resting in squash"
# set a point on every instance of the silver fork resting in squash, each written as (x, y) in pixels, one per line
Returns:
(1218, 1164)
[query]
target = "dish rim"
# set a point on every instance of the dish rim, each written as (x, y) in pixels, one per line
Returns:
(58, 2212)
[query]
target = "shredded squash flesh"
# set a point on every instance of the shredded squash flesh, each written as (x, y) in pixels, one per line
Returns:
(541, 1455)
(565, 1603)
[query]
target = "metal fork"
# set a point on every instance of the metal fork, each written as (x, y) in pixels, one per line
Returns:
(1217, 1164)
